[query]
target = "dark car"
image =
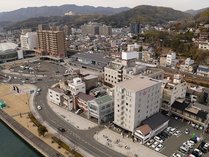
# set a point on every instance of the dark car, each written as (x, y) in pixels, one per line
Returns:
(61, 129)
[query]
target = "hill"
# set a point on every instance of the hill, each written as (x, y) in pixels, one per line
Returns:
(195, 12)
(144, 14)
(32, 23)
(202, 17)
(31, 12)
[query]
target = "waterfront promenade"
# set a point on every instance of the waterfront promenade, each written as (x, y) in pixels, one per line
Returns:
(34, 141)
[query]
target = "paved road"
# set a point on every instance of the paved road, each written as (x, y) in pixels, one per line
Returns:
(82, 139)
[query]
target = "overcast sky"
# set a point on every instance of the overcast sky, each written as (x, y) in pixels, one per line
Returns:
(8, 5)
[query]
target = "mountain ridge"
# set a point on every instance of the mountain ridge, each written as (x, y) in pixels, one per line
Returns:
(31, 12)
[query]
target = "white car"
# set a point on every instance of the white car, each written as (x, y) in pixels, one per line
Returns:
(150, 142)
(154, 144)
(158, 139)
(39, 107)
(177, 133)
(176, 155)
(159, 147)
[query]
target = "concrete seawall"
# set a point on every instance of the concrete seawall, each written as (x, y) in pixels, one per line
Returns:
(34, 141)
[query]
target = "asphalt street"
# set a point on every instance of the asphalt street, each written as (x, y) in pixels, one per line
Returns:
(80, 138)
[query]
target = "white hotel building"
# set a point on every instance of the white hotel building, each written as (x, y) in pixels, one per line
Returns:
(136, 100)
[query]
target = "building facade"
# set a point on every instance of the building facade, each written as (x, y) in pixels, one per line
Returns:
(101, 108)
(173, 90)
(76, 85)
(29, 41)
(136, 100)
(51, 43)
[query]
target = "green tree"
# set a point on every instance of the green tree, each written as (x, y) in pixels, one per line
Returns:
(42, 130)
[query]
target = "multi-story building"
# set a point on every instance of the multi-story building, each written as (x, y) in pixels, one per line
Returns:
(171, 59)
(56, 96)
(124, 69)
(188, 66)
(204, 45)
(93, 28)
(51, 43)
(133, 47)
(101, 108)
(135, 28)
(29, 41)
(173, 90)
(105, 30)
(135, 100)
(76, 85)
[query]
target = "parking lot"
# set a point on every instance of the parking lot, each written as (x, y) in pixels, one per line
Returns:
(182, 132)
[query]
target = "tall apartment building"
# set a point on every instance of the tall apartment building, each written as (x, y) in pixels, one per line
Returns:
(29, 40)
(93, 28)
(136, 100)
(135, 28)
(105, 30)
(51, 43)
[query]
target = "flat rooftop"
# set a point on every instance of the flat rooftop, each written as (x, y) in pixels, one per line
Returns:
(103, 99)
(138, 83)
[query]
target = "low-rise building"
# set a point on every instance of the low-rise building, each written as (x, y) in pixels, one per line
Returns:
(101, 108)
(171, 60)
(203, 70)
(81, 101)
(188, 66)
(190, 112)
(151, 127)
(76, 85)
(204, 45)
(56, 96)
(173, 90)
(94, 61)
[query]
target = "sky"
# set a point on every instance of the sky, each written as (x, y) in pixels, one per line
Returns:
(9, 5)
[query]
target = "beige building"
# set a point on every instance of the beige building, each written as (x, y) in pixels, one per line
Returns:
(105, 30)
(51, 43)
(136, 100)
(120, 70)
(173, 90)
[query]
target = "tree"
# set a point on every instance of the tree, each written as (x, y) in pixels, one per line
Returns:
(42, 130)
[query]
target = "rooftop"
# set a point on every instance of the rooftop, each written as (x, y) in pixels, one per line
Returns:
(138, 83)
(156, 120)
(144, 129)
(58, 90)
(7, 46)
(85, 97)
(99, 57)
(103, 99)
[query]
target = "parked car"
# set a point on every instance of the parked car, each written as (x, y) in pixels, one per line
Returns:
(186, 131)
(159, 147)
(177, 133)
(150, 142)
(154, 144)
(176, 155)
(158, 139)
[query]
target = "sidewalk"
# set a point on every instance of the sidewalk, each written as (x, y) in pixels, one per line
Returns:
(6, 71)
(72, 118)
(124, 145)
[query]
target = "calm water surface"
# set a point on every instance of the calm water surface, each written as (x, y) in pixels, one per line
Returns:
(11, 145)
